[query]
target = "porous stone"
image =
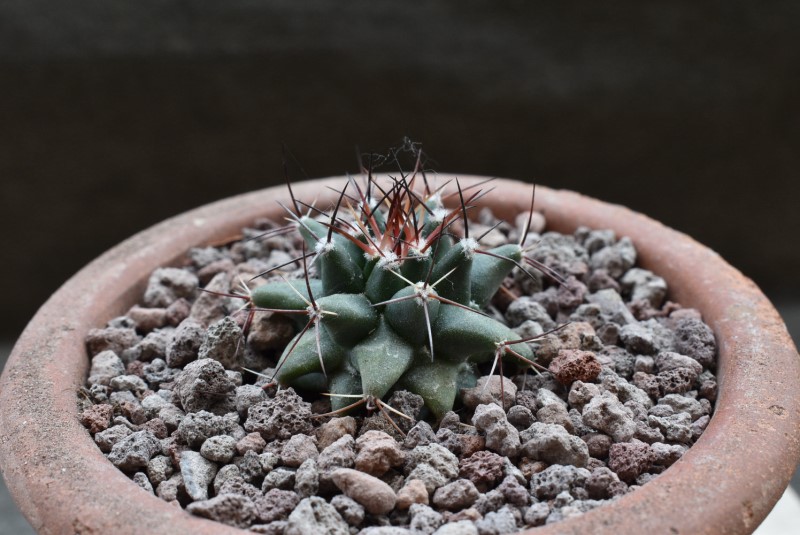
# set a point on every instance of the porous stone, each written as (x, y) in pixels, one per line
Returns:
(351, 511)
(484, 468)
(676, 427)
(197, 427)
(679, 403)
(106, 440)
(630, 459)
(280, 478)
(461, 527)
(556, 478)
(615, 259)
(275, 504)
(185, 343)
(526, 309)
(250, 442)
(281, 417)
(676, 381)
(377, 453)
(114, 339)
(377, 497)
(204, 385)
(605, 413)
(97, 418)
(520, 417)
(169, 284)
(246, 396)
(436, 456)
(223, 343)
(219, 448)
(424, 519)
(306, 479)
(315, 515)
(105, 366)
(637, 338)
(572, 365)
(513, 491)
(232, 509)
(643, 285)
(456, 495)
(334, 429)
(132, 452)
(695, 339)
(498, 522)
(495, 389)
(501, 436)
(340, 454)
(552, 444)
(298, 449)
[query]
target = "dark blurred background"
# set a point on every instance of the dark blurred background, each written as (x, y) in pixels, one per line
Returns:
(115, 115)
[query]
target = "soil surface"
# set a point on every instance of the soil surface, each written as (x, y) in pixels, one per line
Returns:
(173, 400)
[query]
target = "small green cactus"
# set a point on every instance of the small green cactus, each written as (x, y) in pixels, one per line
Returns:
(397, 300)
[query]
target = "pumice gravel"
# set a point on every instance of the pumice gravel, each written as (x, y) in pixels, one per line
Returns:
(628, 386)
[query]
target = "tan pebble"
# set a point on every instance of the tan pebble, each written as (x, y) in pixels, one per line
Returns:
(413, 492)
(377, 497)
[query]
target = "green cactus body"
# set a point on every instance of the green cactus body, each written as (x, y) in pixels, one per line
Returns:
(395, 309)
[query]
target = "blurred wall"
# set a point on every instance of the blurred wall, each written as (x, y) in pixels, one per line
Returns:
(115, 115)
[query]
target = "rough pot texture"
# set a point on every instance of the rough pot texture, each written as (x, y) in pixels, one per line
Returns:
(63, 484)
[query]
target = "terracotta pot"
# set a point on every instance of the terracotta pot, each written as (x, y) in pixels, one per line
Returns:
(726, 483)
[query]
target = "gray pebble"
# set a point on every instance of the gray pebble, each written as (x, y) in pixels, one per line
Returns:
(351, 511)
(198, 473)
(616, 259)
(676, 428)
(424, 519)
(605, 413)
(456, 495)
(134, 451)
(232, 509)
(140, 478)
(552, 444)
(315, 515)
(166, 285)
(498, 522)
(106, 440)
(306, 479)
(219, 449)
(105, 366)
(204, 385)
(280, 478)
(185, 343)
(223, 342)
(643, 285)
(501, 436)
(557, 478)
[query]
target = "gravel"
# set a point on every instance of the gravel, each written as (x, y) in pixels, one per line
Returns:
(629, 386)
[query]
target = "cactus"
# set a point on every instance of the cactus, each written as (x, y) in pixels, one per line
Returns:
(396, 302)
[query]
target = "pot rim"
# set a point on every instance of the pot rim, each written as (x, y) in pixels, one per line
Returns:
(736, 471)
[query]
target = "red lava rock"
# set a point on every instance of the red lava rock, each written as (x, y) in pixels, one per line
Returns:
(155, 426)
(630, 459)
(251, 442)
(276, 504)
(471, 444)
(483, 468)
(574, 365)
(97, 417)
